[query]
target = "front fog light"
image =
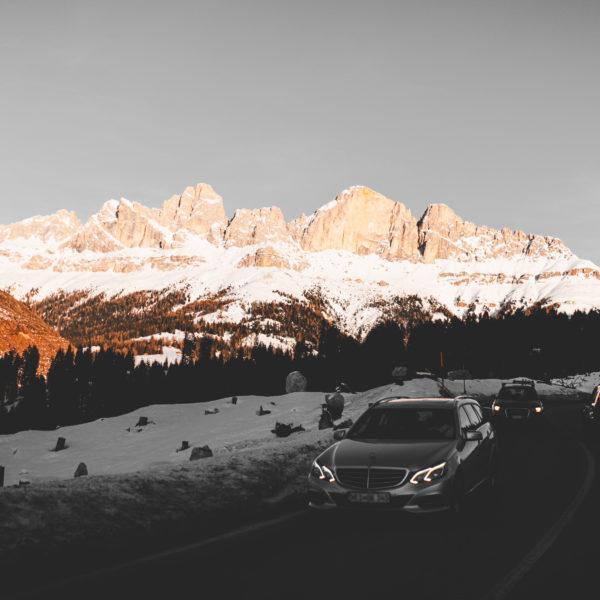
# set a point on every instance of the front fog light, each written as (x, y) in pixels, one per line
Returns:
(429, 475)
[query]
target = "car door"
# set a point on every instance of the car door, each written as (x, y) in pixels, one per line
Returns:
(484, 447)
(468, 452)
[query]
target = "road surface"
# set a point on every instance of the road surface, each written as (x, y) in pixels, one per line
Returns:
(393, 555)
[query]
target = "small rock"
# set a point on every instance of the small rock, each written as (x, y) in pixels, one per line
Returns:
(285, 429)
(234, 400)
(61, 444)
(184, 446)
(142, 422)
(201, 452)
(81, 470)
(344, 424)
(261, 411)
(208, 411)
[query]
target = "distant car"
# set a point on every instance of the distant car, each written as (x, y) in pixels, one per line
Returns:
(517, 402)
(591, 411)
(416, 455)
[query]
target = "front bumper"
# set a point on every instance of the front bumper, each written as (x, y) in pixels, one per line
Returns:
(516, 414)
(424, 498)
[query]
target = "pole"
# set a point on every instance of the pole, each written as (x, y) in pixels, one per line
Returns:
(1, 476)
(442, 373)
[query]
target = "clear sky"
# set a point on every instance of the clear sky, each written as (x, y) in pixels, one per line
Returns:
(491, 107)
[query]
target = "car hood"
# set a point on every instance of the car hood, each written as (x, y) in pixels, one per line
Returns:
(384, 453)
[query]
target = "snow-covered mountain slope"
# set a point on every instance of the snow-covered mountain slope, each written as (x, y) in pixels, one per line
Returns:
(359, 253)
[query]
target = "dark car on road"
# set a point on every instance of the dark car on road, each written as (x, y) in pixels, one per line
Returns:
(416, 455)
(517, 402)
(591, 411)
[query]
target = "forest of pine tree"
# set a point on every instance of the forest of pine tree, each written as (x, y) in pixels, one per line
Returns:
(82, 385)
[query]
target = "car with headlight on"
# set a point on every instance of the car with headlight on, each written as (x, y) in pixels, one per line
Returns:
(517, 402)
(417, 455)
(591, 410)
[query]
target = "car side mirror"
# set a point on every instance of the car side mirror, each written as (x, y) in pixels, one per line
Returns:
(473, 436)
(339, 434)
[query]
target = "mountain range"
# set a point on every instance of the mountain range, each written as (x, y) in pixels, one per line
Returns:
(359, 254)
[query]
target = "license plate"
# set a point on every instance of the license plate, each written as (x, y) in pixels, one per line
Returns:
(369, 497)
(518, 417)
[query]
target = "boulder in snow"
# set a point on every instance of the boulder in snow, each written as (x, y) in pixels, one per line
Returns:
(81, 470)
(61, 444)
(325, 420)
(335, 404)
(285, 429)
(295, 382)
(399, 374)
(201, 452)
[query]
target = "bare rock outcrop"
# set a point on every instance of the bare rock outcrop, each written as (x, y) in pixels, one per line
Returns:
(260, 226)
(52, 228)
(362, 221)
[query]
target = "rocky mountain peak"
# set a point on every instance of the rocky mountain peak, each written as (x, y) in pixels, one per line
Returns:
(51, 228)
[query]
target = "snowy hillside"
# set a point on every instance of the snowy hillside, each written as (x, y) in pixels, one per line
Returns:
(115, 445)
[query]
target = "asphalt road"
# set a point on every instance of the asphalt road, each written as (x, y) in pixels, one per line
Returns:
(393, 555)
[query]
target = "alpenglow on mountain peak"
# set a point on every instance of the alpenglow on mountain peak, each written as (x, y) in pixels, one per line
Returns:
(359, 220)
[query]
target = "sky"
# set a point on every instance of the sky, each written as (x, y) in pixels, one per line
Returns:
(490, 107)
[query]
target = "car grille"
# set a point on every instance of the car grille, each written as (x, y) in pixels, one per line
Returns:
(370, 478)
(522, 412)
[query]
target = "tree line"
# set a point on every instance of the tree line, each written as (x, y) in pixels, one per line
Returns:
(82, 385)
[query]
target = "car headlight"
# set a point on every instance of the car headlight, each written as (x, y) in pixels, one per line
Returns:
(538, 409)
(322, 472)
(496, 408)
(428, 475)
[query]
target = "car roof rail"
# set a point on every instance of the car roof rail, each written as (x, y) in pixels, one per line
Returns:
(524, 381)
(371, 404)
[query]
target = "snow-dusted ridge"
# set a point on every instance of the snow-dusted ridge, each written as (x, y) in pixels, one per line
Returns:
(358, 251)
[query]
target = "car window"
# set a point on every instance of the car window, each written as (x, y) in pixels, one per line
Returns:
(473, 417)
(463, 420)
(517, 393)
(478, 412)
(405, 424)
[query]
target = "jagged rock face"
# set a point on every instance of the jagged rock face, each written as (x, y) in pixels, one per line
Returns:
(118, 225)
(21, 327)
(260, 226)
(444, 235)
(359, 220)
(198, 210)
(362, 221)
(123, 224)
(56, 227)
(266, 256)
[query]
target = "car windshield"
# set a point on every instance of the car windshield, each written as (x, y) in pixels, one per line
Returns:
(523, 393)
(405, 424)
